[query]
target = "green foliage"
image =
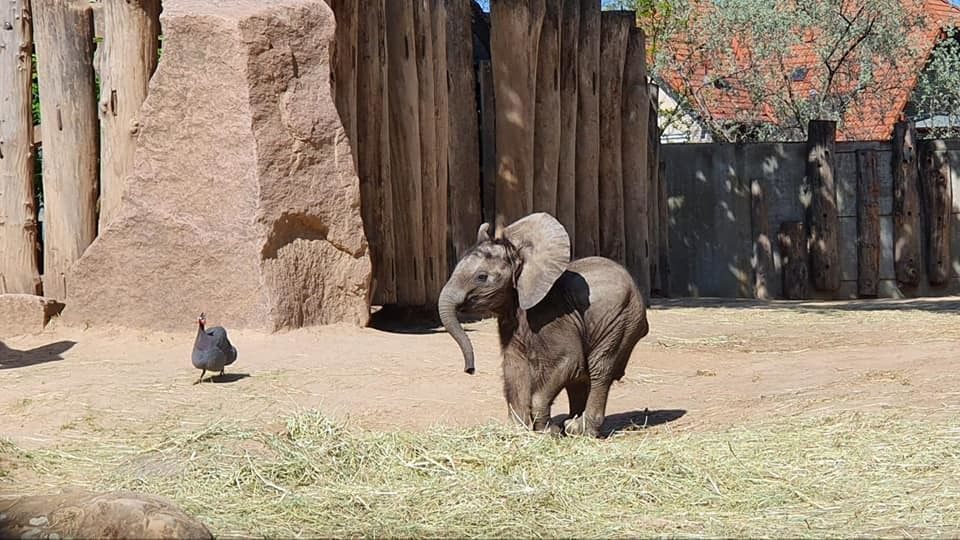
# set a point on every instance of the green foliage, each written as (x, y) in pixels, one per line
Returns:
(937, 95)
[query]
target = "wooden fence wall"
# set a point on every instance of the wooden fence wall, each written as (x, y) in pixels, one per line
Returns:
(458, 117)
(817, 219)
(88, 131)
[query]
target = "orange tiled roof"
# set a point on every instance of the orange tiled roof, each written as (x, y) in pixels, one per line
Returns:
(871, 117)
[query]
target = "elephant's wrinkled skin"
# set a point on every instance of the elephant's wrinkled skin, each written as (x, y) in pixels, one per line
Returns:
(563, 325)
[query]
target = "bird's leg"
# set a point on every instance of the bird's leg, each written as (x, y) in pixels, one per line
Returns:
(221, 373)
(200, 380)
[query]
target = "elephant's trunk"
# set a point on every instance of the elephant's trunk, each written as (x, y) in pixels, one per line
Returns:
(450, 298)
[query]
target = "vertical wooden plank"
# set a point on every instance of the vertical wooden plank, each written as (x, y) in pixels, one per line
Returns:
(127, 59)
(343, 67)
(514, 43)
(653, 190)
(906, 205)
(19, 272)
(434, 217)
(824, 218)
(488, 142)
(762, 246)
(614, 31)
(636, 135)
(588, 131)
(868, 223)
(405, 157)
(546, 144)
(663, 230)
(938, 209)
(373, 159)
(63, 31)
(462, 132)
(567, 166)
(793, 250)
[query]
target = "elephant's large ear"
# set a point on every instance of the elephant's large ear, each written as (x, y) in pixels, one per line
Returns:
(544, 246)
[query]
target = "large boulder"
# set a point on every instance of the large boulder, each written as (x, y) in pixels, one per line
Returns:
(244, 201)
(81, 514)
(25, 313)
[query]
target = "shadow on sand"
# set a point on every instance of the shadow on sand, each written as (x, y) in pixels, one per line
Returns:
(13, 358)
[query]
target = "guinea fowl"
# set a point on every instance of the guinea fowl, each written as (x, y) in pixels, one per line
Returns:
(211, 350)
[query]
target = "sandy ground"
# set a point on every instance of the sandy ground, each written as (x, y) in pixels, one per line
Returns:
(704, 365)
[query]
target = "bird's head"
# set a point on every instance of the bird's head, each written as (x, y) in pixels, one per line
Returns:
(202, 320)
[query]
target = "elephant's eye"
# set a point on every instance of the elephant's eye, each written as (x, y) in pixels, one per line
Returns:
(482, 277)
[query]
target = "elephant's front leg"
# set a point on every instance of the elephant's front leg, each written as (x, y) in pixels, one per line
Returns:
(517, 388)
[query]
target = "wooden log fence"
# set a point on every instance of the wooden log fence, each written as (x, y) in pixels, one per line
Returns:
(557, 119)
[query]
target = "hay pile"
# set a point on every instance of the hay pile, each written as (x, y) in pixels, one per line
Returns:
(846, 475)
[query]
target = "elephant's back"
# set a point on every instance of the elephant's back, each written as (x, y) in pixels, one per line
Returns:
(605, 290)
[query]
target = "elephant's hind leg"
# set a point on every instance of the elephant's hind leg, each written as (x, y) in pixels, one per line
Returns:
(591, 421)
(577, 392)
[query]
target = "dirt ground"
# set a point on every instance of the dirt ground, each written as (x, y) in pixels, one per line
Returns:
(705, 364)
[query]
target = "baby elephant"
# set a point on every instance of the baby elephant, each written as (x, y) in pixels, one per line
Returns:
(563, 325)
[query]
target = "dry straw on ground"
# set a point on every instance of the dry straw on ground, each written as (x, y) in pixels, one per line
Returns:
(846, 475)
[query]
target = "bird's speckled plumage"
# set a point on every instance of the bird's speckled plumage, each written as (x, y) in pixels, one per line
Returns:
(212, 350)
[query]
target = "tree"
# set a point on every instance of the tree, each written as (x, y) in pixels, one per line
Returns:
(779, 64)
(936, 98)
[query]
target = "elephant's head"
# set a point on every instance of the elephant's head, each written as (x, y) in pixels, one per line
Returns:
(516, 268)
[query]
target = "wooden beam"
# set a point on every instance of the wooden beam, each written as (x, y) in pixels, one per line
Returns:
(488, 143)
(868, 223)
(462, 133)
(636, 136)
(63, 31)
(906, 205)
(343, 64)
(127, 60)
(763, 270)
(614, 31)
(824, 217)
(588, 131)
(514, 40)
(546, 144)
(567, 166)
(19, 272)
(373, 150)
(938, 209)
(405, 157)
(793, 250)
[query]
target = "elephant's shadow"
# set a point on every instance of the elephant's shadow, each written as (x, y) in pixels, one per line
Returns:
(633, 420)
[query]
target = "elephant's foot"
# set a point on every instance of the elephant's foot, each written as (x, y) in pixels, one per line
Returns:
(580, 426)
(552, 429)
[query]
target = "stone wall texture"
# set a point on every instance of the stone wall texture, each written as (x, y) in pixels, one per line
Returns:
(244, 202)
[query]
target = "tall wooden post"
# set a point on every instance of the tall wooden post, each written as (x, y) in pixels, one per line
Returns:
(793, 249)
(614, 31)
(588, 131)
(127, 59)
(343, 67)
(906, 205)
(938, 208)
(488, 142)
(514, 43)
(653, 190)
(824, 217)
(663, 231)
(463, 139)
(636, 135)
(373, 149)
(567, 166)
(405, 158)
(546, 144)
(433, 197)
(762, 246)
(64, 38)
(868, 223)
(18, 225)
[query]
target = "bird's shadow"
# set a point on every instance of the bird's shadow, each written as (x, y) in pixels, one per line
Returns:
(52, 352)
(631, 421)
(226, 378)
